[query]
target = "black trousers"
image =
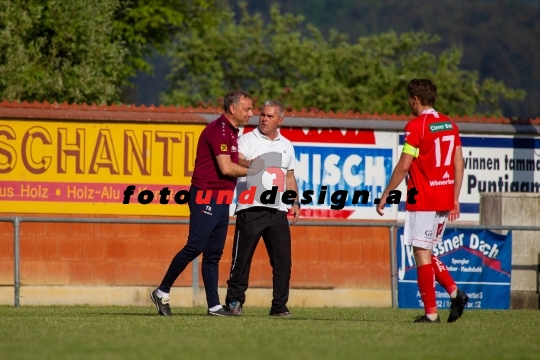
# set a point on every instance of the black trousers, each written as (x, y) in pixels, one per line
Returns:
(207, 232)
(273, 226)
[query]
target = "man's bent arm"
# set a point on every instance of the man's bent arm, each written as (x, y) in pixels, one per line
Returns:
(242, 160)
(228, 168)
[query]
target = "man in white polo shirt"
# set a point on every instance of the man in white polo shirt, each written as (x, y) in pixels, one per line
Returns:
(269, 218)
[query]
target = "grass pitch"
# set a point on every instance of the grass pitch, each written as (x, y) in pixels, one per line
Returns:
(83, 332)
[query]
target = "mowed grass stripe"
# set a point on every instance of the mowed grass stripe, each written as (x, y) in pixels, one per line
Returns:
(83, 332)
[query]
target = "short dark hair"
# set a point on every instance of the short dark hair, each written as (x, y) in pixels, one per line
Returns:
(233, 98)
(276, 104)
(424, 89)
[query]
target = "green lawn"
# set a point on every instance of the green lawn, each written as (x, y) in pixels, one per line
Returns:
(85, 332)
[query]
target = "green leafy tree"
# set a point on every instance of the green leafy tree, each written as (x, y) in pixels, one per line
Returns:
(60, 51)
(276, 60)
(86, 50)
(149, 25)
(498, 38)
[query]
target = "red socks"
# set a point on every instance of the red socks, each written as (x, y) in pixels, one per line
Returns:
(426, 285)
(427, 274)
(442, 275)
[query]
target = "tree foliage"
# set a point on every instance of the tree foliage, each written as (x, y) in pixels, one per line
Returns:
(146, 25)
(498, 37)
(276, 60)
(86, 50)
(60, 51)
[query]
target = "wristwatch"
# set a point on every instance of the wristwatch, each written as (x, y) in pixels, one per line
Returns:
(297, 203)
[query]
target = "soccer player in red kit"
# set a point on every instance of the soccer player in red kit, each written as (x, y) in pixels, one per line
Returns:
(433, 159)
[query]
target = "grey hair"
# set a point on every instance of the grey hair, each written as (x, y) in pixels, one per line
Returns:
(276, 104)
(233, 98)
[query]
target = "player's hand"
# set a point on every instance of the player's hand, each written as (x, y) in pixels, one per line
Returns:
(454, 213)
(256, 166)
(381, 204)
(295, 210)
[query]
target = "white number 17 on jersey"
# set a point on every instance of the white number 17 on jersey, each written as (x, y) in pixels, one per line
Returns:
(448, 159)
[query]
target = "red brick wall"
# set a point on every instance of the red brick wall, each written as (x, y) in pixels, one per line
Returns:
(125, 254)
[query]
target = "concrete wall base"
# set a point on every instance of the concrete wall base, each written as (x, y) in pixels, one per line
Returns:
(528, 300)
(183, 296)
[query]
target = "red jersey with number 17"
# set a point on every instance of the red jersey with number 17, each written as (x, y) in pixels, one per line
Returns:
(435, 136)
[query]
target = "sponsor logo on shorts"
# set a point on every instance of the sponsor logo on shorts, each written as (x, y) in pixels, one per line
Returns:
(208, 210)
(440, 228)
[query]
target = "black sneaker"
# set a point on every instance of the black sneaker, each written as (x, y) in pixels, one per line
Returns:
(162, 303)
(222, 311)
(457, 305)
(235, 309)
(280, 314)
(425, 319)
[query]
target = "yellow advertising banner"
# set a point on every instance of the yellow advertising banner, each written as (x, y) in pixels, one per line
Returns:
(84, 167)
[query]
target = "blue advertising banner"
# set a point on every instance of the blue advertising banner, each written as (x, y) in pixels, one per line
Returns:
(500, 163)
(330, 170)
(340, 172)
(479, 261)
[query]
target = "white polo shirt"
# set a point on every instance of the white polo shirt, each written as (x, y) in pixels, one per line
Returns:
(254, 144)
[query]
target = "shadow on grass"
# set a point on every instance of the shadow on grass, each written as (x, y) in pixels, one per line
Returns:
(123, 312)
(259, 315)
(128, 313)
